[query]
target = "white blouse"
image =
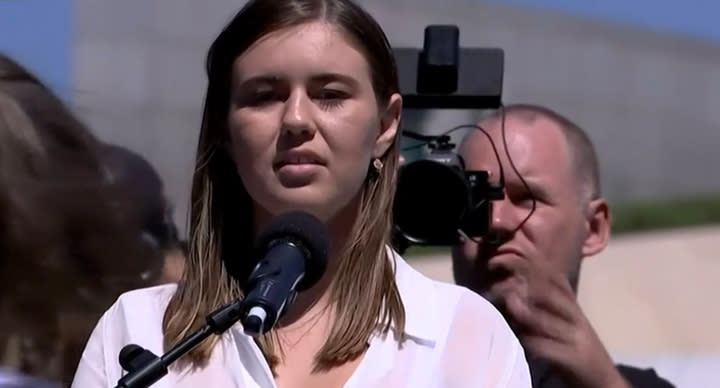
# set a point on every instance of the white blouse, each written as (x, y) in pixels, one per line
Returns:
(455, 339)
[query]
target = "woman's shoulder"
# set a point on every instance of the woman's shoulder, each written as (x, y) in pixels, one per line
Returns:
(442, 300)
(155, 294)
(135, 318)
(450, 313)
(475, 339)
(136, 315)
(143, 302)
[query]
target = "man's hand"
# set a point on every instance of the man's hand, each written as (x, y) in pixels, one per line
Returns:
(543, 310)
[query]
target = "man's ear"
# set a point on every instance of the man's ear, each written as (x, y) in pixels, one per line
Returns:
(389, 125)
(597, 224)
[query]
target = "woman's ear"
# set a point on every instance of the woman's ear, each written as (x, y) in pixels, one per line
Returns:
(389, 125)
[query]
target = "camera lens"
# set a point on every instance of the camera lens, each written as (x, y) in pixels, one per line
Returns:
(431, 201)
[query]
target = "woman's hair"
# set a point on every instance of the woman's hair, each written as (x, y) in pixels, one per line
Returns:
(66, 252)
(221, 221)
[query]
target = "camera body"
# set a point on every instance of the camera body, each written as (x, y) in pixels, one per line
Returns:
(436, 199)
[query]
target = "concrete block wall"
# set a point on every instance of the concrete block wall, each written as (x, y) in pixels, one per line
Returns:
(648, 100)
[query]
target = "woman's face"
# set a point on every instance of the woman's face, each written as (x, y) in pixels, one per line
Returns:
(304, 122)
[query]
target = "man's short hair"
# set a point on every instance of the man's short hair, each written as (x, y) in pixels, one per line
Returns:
(582, 151)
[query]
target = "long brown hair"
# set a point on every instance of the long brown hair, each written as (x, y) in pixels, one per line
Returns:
(66, 251)
(221, 220)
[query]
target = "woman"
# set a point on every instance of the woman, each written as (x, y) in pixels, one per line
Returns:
(63, 246)
(302, 112)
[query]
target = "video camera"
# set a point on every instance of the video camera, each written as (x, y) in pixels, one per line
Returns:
(436, 200)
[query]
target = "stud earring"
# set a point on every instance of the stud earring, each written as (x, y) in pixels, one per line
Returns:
(378, 164)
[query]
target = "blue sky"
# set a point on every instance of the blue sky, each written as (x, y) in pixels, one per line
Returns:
(698, 18)
(37, 33)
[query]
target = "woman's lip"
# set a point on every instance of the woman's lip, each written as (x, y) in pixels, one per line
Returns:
(297, 157)
(303, 164)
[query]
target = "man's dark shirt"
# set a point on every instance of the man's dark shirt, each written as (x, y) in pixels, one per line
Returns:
(544, 377)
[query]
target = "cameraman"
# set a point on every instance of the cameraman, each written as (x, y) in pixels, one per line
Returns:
(528, 264)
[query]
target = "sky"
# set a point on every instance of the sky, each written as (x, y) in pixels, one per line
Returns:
(697, 18)
(39, 32)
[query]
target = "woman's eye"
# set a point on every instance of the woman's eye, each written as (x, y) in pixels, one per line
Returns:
(261, 97)
(330, 98)
(331, 94)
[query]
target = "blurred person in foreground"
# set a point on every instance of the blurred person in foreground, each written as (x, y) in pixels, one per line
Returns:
(65, 253)
(134, 175)
(552, 217)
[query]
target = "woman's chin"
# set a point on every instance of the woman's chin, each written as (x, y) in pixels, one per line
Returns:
(319, 200)
(297, 203)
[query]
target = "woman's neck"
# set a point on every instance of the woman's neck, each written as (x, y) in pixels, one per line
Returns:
(316, 301)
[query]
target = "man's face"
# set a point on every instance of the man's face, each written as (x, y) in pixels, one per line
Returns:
(556, 230)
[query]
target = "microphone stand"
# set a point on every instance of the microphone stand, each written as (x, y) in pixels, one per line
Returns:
(145, 368)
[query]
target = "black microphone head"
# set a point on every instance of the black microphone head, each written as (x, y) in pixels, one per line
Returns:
(128, 354)
(306, 232)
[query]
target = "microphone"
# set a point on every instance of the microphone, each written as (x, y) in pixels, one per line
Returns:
(292, 254)
(293, 257)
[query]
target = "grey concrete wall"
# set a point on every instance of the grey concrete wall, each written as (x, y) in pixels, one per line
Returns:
(648, 100)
